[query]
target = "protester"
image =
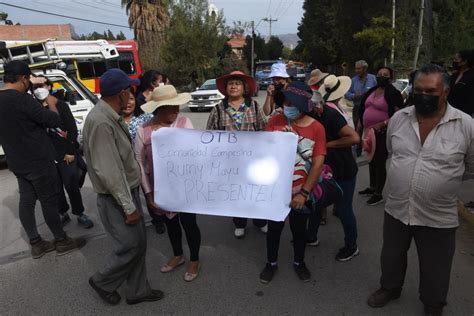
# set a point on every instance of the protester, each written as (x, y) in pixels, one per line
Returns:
(377, 107)
(275, 97)
(65, 145)
(339, 140)
(134, 122)
(149, 80)
(461, 95)
(432, 151)
(30, 156)
(361, 83)
(316, 79)
(238, 112)
(310, 159)
(115, 176)
(164, 105)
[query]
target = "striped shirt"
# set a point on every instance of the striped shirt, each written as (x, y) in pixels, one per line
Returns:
(423, 179)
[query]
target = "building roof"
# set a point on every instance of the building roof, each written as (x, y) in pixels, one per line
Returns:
(35, 32)
(237, 41)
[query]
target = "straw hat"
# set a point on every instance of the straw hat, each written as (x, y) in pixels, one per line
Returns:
(163, 96)
(316, 76)
(334, 87)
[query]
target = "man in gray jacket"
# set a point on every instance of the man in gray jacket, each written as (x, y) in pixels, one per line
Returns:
(115, 176)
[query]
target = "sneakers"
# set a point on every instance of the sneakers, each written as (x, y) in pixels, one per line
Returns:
(367, 192)
(64, 218)
(375, 200)
(41, 248)
(313, 243)
(239, 233)
(84, 221)
(268, 272)
(67, 245)
(381, 297)
(347, 253)
(264, 229)
(302, 272)
(155, 295)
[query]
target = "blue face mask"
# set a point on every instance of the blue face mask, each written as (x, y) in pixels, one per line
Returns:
(291, 112)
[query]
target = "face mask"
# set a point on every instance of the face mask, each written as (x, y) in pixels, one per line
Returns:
(279, 86)
(383, 81)
(291, 112)
(425, 104)
(456, 65)
(41, 93)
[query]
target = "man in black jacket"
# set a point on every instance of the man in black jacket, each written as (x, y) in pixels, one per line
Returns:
(29, 152)
(65, 144)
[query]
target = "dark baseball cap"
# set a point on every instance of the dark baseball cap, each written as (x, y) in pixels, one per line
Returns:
(115, 80)
(16, 68)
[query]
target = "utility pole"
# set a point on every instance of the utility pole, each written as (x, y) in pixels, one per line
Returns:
(253, 50)
(392, 54)
(420, 35)
(270, 21)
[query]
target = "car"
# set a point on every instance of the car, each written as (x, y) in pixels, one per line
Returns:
(263, 79)
(80, 99)
(300, 74)
(205, 97)
(402, 85)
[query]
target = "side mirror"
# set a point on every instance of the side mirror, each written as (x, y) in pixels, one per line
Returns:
(71, 98)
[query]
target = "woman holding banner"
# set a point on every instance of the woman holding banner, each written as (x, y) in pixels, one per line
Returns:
(238, 112)
(310, 158)
(164, 105)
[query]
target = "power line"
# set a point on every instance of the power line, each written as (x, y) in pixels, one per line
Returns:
(75, 18)
(283, 13)
(268, 9)
(101, 8)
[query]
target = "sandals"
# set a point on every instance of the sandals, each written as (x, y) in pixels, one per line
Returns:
(167, 268)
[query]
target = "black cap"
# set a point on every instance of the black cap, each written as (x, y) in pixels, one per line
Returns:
(16, 68)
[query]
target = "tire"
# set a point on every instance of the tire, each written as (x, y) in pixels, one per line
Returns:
(194, 109)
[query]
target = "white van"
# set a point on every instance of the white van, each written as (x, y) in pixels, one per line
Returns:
(79, 98)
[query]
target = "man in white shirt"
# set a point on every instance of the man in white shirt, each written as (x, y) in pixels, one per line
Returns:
(432, 150)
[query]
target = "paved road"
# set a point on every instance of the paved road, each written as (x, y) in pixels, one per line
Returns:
(228, 283)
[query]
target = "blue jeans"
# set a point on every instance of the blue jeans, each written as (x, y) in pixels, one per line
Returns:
(344, 211)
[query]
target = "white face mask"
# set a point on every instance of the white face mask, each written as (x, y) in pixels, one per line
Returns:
(41, 93)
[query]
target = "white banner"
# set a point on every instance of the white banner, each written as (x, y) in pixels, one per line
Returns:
(238, 174)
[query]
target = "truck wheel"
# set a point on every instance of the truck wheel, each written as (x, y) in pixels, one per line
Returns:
(194, 109)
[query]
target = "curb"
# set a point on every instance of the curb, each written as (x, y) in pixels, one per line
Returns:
(467, 214)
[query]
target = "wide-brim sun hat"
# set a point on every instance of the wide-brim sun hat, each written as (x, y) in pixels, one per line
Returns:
(368, 144)
(300, 94)
(316, 76)
(164, 96)
(221, 82)
(334, 87)
(279, 70)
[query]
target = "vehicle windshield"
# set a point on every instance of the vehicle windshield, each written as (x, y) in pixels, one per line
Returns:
(209, 85)
(400, 85)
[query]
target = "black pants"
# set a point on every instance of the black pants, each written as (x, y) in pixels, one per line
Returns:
(191, 229)
(298, 224)
(435, 247)
(39, 185)
(377, 167)
(69, 178)
(240, 222)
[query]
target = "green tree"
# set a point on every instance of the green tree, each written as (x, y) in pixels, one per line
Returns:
(260, 49)
(110, 35)
(193, 41)
(148, 19)
(274, 48)
(3, 16)
(121, 36)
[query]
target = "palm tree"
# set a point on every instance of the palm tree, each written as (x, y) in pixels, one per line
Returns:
(148, 19)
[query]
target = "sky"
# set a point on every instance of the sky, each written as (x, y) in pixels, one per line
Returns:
(287, 12)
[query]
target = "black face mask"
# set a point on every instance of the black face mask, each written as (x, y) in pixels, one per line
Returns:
(425, 104)
(279, 98)
(279, 86)
(383, 81)
(456, 65)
